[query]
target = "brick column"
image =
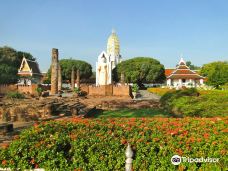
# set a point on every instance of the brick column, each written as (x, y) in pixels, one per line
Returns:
(122, 79)
(78, 78)
(72, 79)
(54, 71)
(59, 78)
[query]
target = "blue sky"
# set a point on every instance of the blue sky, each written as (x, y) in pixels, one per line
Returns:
(163, 29)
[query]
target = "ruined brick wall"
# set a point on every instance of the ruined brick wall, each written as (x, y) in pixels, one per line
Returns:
(97, 90)
(85, 88)
(108, 90)
(31, 89)
(6, 88)
(122, 90)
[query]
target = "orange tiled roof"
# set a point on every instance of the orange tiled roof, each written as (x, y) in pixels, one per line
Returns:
(182, 71)
(168, 72)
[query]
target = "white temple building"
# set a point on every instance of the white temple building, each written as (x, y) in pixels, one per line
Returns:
(183, 76)
(107, 61)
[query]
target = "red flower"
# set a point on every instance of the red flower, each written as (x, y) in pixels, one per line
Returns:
(206, 135)
(123, 141)
(36, 125)
(4, 162)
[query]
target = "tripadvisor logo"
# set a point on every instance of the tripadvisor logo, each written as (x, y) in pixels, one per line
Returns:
(176, 160)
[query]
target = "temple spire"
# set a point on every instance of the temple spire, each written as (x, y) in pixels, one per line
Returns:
(182, 61)
(113, 31)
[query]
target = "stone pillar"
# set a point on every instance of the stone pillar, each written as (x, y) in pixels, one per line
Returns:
(59, 78)
(54, 71)
(78, 78)
(72, 79)
(129, 160)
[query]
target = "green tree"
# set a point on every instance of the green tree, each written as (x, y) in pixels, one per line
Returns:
(10, 61)
(67, 65)
(216, 73)
(191, 66)
(140, 70)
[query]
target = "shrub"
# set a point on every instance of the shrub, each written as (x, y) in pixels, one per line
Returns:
(100, 144)
(15, 95)
(135, 88)
(191, 103)
(39, 90)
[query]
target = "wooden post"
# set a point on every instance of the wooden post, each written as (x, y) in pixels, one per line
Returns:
(129, 155)
(72, 79)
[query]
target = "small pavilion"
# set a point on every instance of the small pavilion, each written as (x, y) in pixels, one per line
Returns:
(183, 76)
(29, 72)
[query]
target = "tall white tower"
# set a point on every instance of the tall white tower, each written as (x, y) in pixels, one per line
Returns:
(113, 49)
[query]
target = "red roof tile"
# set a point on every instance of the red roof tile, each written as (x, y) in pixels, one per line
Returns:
(168, 72)
(181, 72)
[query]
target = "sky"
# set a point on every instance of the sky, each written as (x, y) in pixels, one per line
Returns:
(162, 29)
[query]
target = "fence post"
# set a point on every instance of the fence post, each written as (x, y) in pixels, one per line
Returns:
(129, 155)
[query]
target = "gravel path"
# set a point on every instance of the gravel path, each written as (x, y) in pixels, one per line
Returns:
(145, 95)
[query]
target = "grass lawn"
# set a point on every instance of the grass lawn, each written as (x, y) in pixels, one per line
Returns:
(129, 113)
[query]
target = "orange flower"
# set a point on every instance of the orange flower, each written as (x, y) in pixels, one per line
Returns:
(206, 135)
(123, 141)
(4, 162)
(5, 145)
(156, 139)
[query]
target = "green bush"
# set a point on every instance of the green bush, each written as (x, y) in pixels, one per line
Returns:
(135, 88)
(100, 144)
(15, 95)
(191, 103)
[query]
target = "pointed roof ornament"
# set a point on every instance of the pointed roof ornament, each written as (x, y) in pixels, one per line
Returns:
(24, 55)
(113, 31)
(182, 62)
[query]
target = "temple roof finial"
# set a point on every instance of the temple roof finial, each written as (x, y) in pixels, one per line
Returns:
(182, 61)
(113, 31)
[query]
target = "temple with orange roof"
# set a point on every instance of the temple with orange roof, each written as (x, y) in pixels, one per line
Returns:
(183, 76)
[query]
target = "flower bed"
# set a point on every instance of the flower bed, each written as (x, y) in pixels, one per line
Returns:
(159, 91)
(99, 144)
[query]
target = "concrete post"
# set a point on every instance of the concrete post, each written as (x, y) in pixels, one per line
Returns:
(59, 78)
(54, 71)
(129, 155)
(72, 79)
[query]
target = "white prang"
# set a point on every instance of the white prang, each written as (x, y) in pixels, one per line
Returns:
(107, 61)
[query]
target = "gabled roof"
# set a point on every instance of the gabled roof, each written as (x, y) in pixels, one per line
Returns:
(183, 71)
(168, 72)
(29, 67)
